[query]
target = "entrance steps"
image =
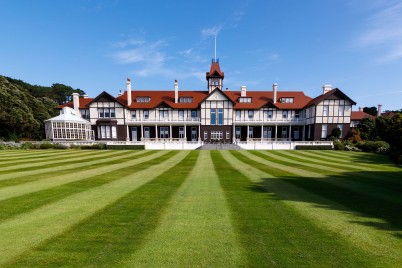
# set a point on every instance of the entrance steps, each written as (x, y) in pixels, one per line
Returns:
(219, 146)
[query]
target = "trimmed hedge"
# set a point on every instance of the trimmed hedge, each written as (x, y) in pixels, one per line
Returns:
(125, 147)
(313, 147)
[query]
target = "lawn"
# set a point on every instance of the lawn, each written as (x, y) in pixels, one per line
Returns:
(199, 208)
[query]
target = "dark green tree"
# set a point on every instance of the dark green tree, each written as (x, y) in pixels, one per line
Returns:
(367, 128)
(370, 110)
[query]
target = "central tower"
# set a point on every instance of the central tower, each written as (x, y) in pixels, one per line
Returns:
(215, 76)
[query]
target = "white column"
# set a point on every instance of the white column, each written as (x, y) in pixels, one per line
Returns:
(234, 133)
(142, 131)
(185, 132)
(303, 137)
(170, 132)
(276, 132)
(290, 132)
(248, 132)
(262, 132)
(156, 132)
(128, 134)
(199, 132)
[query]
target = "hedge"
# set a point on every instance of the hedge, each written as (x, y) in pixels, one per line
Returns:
(313, 147)
(125, 147)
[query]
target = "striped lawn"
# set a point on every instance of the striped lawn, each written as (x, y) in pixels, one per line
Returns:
(199, 209)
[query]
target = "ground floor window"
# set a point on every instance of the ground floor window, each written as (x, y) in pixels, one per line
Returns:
(238, 133)
(324, 131)
(181, 132)
(284, 134)
(250, 132)
(147, 134)
(107, 132)
(216, 135)
(296, 133)
(267, 132)
(228, 135)
(205, 135)
(340, 126)
(164, 132)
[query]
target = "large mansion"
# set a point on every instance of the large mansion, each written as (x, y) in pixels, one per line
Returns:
(216, 114)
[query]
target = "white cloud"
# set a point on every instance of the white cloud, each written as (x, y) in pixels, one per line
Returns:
(207, 32)
(385, 31)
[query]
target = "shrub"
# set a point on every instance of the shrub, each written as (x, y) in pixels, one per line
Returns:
(126, 147)
(338, 145)
(98, 146)
(46, 145)
(313, 147)
(352, 148)
(61, 146)
(373, 146)
(26, 145)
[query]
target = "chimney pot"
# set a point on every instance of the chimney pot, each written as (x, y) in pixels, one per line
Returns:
(176, 91)
(128, 84)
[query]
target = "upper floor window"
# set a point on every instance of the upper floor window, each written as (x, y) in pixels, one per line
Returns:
(297, 114)
(146, 114)
(287, 100)
(285, 114)
(85, 113)
(106, 113)
(193, 113)
(245, 99)
(238, 115)
(213, 116)
(250, 114)
(186, 99)
(181, 115)
(143, 99)
(341, 111)
(220, 116)
(325, 110)
(134, 114)
(163, 114)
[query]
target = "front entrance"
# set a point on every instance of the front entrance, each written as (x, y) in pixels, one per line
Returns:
(193, 134)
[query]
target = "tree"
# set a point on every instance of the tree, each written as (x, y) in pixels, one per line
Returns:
(367, 128)
(336, 133)
(370, 110)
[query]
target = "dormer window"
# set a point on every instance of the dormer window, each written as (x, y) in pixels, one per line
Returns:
(143, 99)
(287, 100)
(245, 99)
(186, 99)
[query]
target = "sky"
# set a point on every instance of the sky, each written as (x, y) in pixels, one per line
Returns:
(95, 46)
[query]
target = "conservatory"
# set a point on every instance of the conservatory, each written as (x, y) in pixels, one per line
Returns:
(68, 126)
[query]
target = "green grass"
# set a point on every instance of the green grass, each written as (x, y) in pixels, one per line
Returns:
(200, 208)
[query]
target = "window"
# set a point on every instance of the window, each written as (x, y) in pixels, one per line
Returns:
(186, 99)
(107, 132)
(285, 114)
(220, 116)
(250, 132)
(193, 113)
(163, 114)
(267, 114)
(324, 131)
(146, 114)
(181, 132)
(340, 126)
(308, 131)
(341, 110)
(267, 132)
(297, 114)
(213, 116)
(205, 135)
(325, 111)
(216, 135)
(143, 99)
(296, 133)
(228, 135)
(238, 115)
(85, 113)
(106, 113)
(245, 99)
(181, 115)
(238, 133)
(164, 132)
(133, 114)
(284, 134)
(250, 114)
(147, 132)
(287, 100)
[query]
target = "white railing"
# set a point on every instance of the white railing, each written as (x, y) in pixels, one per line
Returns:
(271, 120)
(166, 119)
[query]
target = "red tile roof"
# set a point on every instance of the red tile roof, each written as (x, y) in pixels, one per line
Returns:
(215, 70)
(359, 115)
(83, 103)
(322, 97)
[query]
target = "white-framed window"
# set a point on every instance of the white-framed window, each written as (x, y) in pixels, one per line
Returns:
(146, 114)
(216, 135)
(340, 126)
(285, 114)
(325, 110)
(220, 116)
(106, 113)
(85, 113)
(164, 114)
(147, 133)
(297, 114)
(324, 129)
(284, 134)
(193, 113)
(245, 99)
(341, 111)
(287, 100)
(181, 115)
(296, 133)
(238, 133)
(250, 132)
(250, 114)
(238, 115)
(213, 116)
(143, 99)
(107, 132)
(181, 132)
(228, 135)
(134, 114)
(205, 135)
(164, 132)
(186, 99)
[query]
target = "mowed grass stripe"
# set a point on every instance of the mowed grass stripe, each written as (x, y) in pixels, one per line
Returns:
(273, 233)
(393, 181)
(371, 235)
(38, 185)
(196, 230)
(27, 231)
(7, 155)
(42, 173)
(22, 204)
(115, 232)
(49, 162)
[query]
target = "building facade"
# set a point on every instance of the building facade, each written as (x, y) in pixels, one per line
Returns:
(215, 115)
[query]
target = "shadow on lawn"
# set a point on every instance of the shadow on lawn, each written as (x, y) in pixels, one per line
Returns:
(384, 204)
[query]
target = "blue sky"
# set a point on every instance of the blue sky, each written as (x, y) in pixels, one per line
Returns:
(302, 45)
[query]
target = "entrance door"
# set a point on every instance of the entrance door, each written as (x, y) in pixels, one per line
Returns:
(147, 134)
(164, 133)
(193, 134)
(134, 134)
(267, 132)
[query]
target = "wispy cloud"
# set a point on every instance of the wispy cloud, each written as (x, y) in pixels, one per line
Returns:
(211, 31)
(384, 30)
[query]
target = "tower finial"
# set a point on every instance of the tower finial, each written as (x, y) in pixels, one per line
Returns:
(215, 48)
